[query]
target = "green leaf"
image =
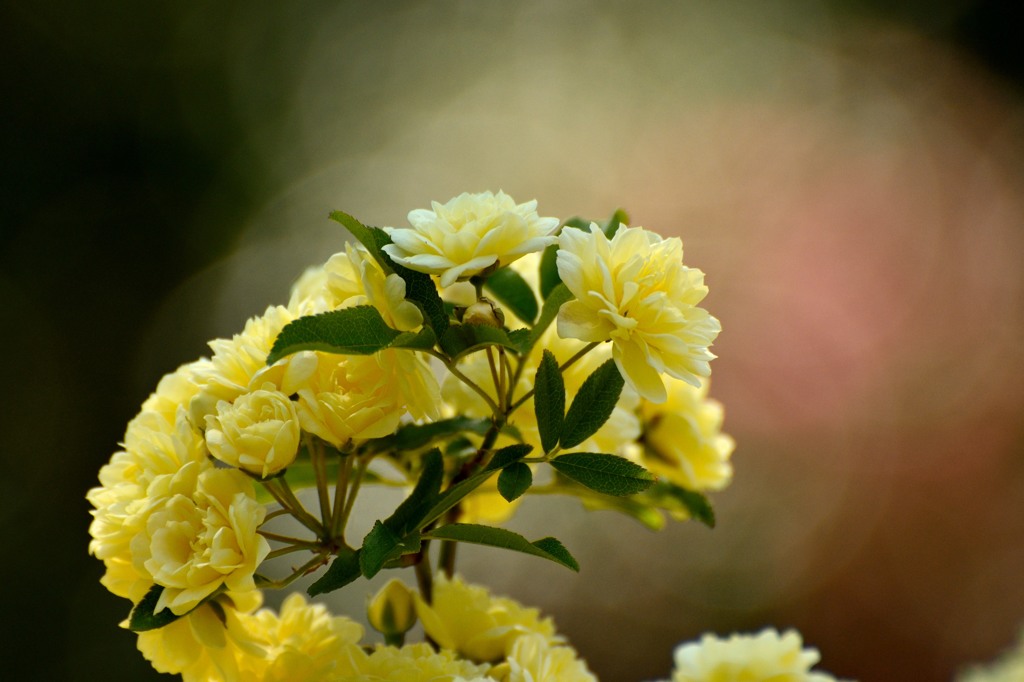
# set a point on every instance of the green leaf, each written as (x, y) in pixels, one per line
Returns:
(549, 277)
(342, 571)
(458, 492)
(612, 224)
(511, 289)
(415, 436)
(352, 331)
(633, 507)
(373, 238)
(379, 545)
(608, 474)
(508, 455)
(421, 290)
(549, 401)
(520, 339)
(408, 516)
(505, 539)
(593, 404)
(514, 480)
(143, 618)
(559, 295)
(671, 496)
(463, 339)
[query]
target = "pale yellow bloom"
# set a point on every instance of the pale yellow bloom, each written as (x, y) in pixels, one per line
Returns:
(201, 647)
(764, 657)
(469, 234)
(305, 643)
(343, 397)
(175, 389)
(634, 291)
(258, 433)
(413, 663)
(200, 535)
(534, 659)
(683, 439)
(154, 449)
(483, 628)
(239, 364)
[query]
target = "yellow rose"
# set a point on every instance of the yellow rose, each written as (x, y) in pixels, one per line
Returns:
(413, 663)
(259, 432)
(634, 291)
(466, 619)
(201, 536)
(764, 656)
(469, 234)
(683, 439)
(533, 659)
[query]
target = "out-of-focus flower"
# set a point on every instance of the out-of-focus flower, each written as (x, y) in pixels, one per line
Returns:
(200, 535)
(258, 433)
(207, 645)
(467, 619)
(305, 643)
(392, 611)
(635, 291)
(533, 659)
(1009, 667)
(741, 658)
(683, 439)
(413, 663)
(469, 234)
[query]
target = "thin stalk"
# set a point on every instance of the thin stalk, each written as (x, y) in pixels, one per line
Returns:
(302, 570)
(340, 494)
(424, 575)
(271, 488)
(300, 512)
(316, 456)
(564, 366)
(361, 467)
(450, 364)
(277, 537)
(287, 550)
(495, 378)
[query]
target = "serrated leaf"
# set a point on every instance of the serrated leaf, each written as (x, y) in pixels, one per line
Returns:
(379, 545)
(352, 331)
(549, 401)
(505, 539)
(554, 300)
(592, 405)
(514, 480)
(520, 339)
(373, 238)
(462, 339)
(342, 571)
(608, 474)
(415, 436)
(142, 617)
(510, 288)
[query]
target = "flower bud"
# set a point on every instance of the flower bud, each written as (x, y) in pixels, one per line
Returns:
(392, 611)
(484, 312)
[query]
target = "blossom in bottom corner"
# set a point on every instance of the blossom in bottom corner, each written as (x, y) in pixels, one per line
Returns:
(765, 657)
(533, 659)
(1009, 667)
(412, 663)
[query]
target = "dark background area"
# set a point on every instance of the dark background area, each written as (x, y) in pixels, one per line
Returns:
(132, 162)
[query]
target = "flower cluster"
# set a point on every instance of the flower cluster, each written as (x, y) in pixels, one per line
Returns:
(480, 356)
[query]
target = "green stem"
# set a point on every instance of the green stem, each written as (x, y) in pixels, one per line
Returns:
(361, 467)
(564, 366)
(450, 364)
(424, 574)
(300, 512)
(340, 496)
(316, 456)
(271, 488)
(312, 564)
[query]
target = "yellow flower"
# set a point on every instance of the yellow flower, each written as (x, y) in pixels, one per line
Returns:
(748, 658)
(258, 433)
(413, 663)
(207, 645)
(683, 439)
(533, 659)
(1009, 667)
(304, 644)
(200, 535)
(154, 449)
(466, 619)
(469, 234)
(634, 290)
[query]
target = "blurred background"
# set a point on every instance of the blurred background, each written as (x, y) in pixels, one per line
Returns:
(847, 174)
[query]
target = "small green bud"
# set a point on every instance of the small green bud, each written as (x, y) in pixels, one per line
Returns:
(392, 610)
